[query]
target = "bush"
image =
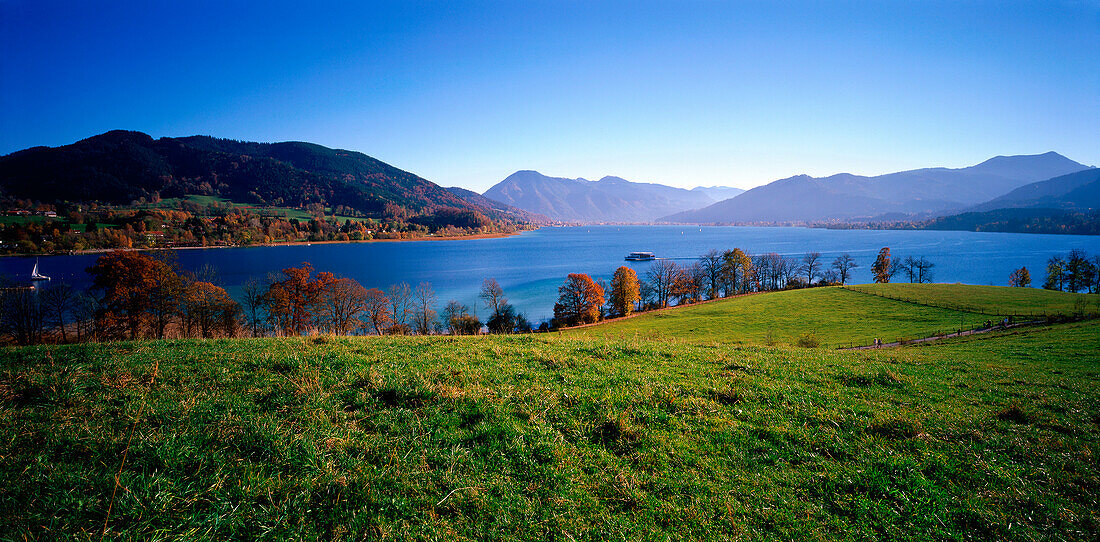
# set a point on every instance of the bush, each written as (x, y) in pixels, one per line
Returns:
(808, 340)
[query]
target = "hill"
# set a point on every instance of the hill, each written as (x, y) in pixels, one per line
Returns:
(848, 197)
(719, 193)
(541, 437)
(836, 316)
(119, 167)
(610, 199)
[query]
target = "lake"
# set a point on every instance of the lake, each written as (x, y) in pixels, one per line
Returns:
(532, 265)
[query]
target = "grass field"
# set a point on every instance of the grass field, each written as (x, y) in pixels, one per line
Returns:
(835, 316)
(542, 437)
(996, 300)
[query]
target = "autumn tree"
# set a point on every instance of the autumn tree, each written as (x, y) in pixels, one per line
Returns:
(881, 268)
(211, 308)
(624, 291)
(689, 284)
(579, 300)
(291, 299)
(1020, 278)
(131, 284)
(459, 320)
(843, 266)
(377, 310)
(737, 271)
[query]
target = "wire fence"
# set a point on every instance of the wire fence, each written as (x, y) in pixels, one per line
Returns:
(1082, 311)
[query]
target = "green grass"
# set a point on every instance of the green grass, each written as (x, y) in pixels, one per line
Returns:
(997, 300)
(545, 437)
(834, 316)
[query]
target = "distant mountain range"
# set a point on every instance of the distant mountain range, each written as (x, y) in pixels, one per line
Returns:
(610, 199)
(845, 197)
(121, 166)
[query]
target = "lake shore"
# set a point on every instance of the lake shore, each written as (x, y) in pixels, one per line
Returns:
(476, 236)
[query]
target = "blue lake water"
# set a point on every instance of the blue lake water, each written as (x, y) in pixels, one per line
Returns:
(531, 266)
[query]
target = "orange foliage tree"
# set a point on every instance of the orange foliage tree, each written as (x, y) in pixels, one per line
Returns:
(579, 301)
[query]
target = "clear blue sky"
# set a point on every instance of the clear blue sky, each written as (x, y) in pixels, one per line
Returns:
(683, 93)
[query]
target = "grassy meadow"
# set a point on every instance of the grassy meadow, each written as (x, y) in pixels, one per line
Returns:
(554, 437)
(838, 316)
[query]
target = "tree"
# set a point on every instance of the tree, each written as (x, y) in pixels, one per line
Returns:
(811, 266)
(1020, 278)
(505, 320)
(212, 308)
(661, 276)
(881, 268)
(908, 266)
(1078, 271)
(341, 304)
(131, 284)
(688, 286)
(579, 300)
(736, 271)
(58, 302)
(400, 303)
(1056, 274)
(376, 307)
(492, 295)
(923, 269)
(424, 317)
(624, 291)
(252, 297)
(21, 315)
(843, 266)
(712, 266)
(290, 301)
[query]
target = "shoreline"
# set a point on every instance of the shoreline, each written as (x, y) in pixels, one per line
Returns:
(474, 237)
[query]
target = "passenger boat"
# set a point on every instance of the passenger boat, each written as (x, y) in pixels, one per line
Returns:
(35, 275)
(640, 257)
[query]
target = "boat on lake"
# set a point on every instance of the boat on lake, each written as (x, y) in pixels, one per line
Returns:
(35, 275)
(640, 257)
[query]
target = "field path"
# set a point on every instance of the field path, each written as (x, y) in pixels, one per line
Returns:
(998, 327)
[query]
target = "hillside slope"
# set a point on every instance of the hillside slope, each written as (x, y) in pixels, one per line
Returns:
(548, 438)
(120, 166)
(611, 199)
(845, 196)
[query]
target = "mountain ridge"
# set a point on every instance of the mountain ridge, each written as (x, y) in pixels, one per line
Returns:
(845, 196)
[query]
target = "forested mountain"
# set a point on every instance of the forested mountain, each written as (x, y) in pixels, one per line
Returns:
(119, 167)
(610, 199)
(845, 196)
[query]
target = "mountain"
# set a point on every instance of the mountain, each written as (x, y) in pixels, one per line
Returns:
(610, 199)
(1021, 220)
(718, 193)
(852, 197)
(1080, 190)
(519, 215)
(122, 166)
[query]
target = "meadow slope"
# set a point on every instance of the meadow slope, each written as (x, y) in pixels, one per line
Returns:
(543, 437)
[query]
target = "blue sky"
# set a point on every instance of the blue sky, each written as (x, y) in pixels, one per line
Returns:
(682, 93)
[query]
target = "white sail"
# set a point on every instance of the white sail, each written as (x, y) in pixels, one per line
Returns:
(35, 275)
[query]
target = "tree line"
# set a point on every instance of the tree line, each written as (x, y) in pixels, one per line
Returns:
(1073, 272)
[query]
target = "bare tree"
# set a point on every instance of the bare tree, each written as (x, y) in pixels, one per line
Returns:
(252, 297)
(401, 301)
(811, 266)
(424, 315)
(492, 295)
(908, 266)
(843, 266)
(21, 315)
(58, 301)
(661, 276)
(712, 268)
(342, 302)
(923, 268)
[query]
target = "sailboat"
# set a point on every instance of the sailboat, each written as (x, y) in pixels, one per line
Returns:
(35, 275)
